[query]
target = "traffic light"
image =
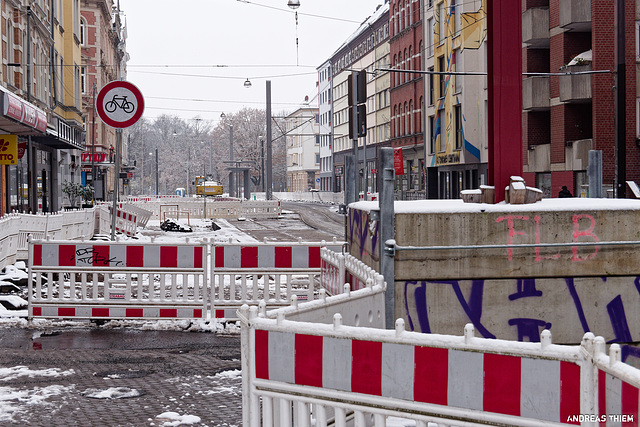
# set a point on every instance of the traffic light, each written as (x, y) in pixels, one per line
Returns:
(358, 82)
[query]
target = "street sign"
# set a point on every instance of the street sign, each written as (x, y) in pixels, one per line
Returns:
(120, 104)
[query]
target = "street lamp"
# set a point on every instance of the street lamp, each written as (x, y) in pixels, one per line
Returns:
(294, 4)
(247, 84)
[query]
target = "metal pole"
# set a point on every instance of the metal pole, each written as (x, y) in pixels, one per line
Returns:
(116, 175)
(262, 167)
(269, 194)
(157, 171)
(387, 233)
(349, 184)
(31, 157)
(233, 185)
(188, 161)
(93, 144)
(354, 137)
(620, 101)
(211, 158)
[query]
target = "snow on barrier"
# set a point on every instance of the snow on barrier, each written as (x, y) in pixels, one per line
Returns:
(244, 273)
(114, 280)
(300, 373)
(338, 268)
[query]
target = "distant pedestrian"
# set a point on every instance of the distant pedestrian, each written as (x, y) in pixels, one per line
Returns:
(564, 192)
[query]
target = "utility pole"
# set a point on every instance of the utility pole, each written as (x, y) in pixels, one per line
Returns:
(269, 194)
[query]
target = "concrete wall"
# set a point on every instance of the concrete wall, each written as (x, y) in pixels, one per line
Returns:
(512, 293)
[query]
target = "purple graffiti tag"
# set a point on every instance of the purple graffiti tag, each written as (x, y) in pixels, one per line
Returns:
(359, 222)
(576, 301)
(420, 294)
(529, 328)
(620, 327)
(526, 288)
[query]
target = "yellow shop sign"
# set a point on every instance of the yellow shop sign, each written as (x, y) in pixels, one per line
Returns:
(8, 149)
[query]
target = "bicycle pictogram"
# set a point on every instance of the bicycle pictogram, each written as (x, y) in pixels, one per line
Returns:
(119, 102)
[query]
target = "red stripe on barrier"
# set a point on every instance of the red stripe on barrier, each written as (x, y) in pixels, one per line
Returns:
(282, 257)
(133, 312)
(37, 311)
(569, 391)
(197, 257)
(219, 252)
(502, 384)
(67, 255)
(135, 256)
(630, 401)
(67, 311)
(168, 256)
(101, 255)
(308, 363)
(100, 312)
(314, 256)
(168, 312)
(431, 375)
(366, 367)
(219, 314)
(197, 313)
(37, 254)
(602, 395)
(249, 257)
(262, 354)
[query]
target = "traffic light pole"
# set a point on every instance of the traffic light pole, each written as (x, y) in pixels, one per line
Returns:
(354, 136)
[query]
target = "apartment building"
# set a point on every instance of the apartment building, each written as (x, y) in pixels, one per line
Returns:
(104, 60)
(303, 149)
(40, 120)
(366, 49)
(565, 116)
(324, 127)
(456, 104)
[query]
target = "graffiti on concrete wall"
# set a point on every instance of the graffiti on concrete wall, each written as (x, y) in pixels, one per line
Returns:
(521, 309)
(580, 232)
(363, 234)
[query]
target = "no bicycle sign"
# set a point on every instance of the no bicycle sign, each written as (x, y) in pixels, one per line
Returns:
(120, 104)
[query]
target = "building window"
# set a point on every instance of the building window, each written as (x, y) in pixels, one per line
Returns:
(441, 77)
(83, 32)
(439, 137)
(432, 141)
(457, 10)
(457, 67)
(83, 79)
(430, 30)
(441, 20)
(457, 116)
(432, 88)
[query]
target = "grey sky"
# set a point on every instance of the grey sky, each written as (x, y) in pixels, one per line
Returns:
(174, 46)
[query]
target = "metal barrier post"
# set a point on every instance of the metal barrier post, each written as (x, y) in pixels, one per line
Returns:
(387, 232)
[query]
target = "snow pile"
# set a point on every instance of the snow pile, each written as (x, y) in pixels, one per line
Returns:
(8, 374)
(112, 393)
(175, 419)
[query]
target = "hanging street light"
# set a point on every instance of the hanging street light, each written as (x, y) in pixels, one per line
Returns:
(247, 84)
(294, 4)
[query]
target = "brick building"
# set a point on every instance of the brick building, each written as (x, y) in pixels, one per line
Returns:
(566, 116)
(407, 91)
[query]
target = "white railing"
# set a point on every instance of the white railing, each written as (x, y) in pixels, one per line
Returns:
(339, 268)
(206, 207)
(304, 373)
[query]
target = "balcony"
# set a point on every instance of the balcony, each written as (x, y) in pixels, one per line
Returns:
(535, 93)
(576, 87)
(575, 15)
(535, 27)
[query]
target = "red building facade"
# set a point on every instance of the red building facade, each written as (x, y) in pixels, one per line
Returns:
(566, 116)
(407, 102)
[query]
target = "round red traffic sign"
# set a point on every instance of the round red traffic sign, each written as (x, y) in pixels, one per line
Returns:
(120, 104)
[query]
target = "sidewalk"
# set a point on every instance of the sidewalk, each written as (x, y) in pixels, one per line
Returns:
(117, 377)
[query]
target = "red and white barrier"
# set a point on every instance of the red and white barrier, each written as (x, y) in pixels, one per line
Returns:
(117, 255)
(303, 373)
(117, 280)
